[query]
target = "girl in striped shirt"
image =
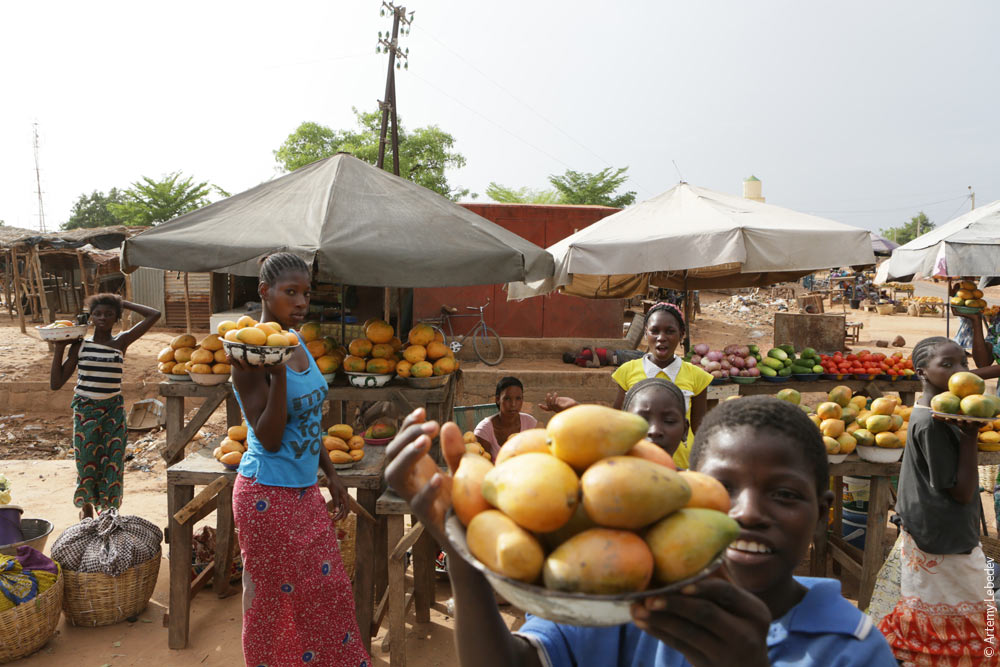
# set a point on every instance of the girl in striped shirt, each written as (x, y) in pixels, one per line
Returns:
(98, 406)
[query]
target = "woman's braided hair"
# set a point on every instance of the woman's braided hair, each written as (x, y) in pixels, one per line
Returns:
(667, 308)
(658, 383)
(924, 350)
(272, 266)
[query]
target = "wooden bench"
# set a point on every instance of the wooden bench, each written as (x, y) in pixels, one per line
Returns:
(853, 331)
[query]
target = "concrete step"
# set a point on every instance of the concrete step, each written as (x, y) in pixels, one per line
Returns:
(543, 348)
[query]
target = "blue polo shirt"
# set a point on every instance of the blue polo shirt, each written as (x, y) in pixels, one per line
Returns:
(823, 629)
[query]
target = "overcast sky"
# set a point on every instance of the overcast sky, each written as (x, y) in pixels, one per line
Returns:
(864, 112)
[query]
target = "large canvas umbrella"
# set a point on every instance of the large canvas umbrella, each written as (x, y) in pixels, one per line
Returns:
(360, 224)
(694, 238)
(882, 245)
(969, 245)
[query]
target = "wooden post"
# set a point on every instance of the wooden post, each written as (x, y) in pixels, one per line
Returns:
(687, 315)
(187, 303)
(43, 303)
(83, 273)
(17, 289)
(386, 301)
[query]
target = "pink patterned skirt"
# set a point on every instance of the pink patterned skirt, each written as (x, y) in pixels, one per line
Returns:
(301, 608)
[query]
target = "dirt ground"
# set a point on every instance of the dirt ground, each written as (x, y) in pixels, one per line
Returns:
(35, 456)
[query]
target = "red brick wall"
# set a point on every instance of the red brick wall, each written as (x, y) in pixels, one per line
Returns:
(551, 316)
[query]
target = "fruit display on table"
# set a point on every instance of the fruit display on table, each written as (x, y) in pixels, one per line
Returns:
(472, 445)
(848, 422)
(966, 298)
(966, 400)
(989, 436)
(230, 450)
(342, 446)
(425, 354)
(576, 508)
(186, 356)
(867, 364)
(380, 433)
(733, 361)
(328, 354)
(257, 343)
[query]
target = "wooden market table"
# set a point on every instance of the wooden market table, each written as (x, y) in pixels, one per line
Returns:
(907, 389)
(438, 401)
(863, 564)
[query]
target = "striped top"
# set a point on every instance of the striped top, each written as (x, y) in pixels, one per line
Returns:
(99, 371)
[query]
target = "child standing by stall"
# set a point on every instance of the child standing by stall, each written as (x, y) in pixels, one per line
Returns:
(941, 616)
(298, 607)
(664, 330)
(98, 404)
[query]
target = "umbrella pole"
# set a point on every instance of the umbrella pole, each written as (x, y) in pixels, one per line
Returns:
(947, 310)
(187, 302)
(687, 316)
(343, 325)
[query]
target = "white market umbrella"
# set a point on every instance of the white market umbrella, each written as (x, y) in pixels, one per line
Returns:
(694, 238)
(969, 245)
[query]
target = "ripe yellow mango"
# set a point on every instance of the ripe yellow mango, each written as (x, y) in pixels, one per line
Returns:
(878, 423)
(184, 340)
(584, 434)
(599, 561)
(531, 440)
(687, 540)
(538, 491)
(342, 431)
(504, 547)
(467, 487)
(629, 492)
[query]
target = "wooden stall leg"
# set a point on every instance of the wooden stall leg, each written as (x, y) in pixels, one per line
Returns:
(381, 578)
(364, 569)
(424, 554)
(397, 593)
(174, 421)
(223, 541)
(179, 495)
(878, 510)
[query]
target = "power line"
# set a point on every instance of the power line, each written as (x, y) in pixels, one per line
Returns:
(897, 208)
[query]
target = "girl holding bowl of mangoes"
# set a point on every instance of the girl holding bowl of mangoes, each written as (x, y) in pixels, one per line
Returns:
(98, 405)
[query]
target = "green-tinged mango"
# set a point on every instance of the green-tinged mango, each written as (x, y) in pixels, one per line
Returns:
(964, 384)
(629, 492)
(504, 547)
(976, 405)
(864, 437)
(790, 395)
(584, 434)
(689, 539)
(946, 402)
(849, 414)
(538, 491)
(878, 423)
(599, 561)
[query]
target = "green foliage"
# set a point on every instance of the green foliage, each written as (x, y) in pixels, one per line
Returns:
(573, 187)
(92, 210)
(593, 189)
(424, 153)
(149, 201)
(505, 195)
(917, 226)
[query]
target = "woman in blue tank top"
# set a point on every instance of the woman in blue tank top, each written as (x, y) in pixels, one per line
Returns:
(298, 606)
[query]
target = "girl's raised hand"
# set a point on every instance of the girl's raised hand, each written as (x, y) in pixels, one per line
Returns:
(415, 477)
(710, 622)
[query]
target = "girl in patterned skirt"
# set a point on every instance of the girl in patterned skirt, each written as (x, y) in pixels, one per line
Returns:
(98, 406)
(298, 607)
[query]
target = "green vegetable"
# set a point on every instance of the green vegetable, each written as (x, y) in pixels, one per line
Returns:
(776, 353)
(788, 348)
(809, 353)
(770, 362)
(768, 371)
(787, 363)
(785, 372)
(754, 349)
(817, 369)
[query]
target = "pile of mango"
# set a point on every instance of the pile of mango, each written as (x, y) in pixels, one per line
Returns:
(587, 505)
(847, 421)
(472, 446)
(249, 331)
(380, 430)
(426, 354)
(185, 355)
(989, 436)
(377, 352)
(230, 450)
(342, 445)
(966, 294)
(325, 350)
(59, 324)
(966, 396)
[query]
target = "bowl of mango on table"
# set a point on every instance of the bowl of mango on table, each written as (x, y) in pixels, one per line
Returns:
(342, 446)
(186, 359)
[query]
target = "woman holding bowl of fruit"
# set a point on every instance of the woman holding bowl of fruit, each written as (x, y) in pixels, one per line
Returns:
(98, 405)
(297, 600)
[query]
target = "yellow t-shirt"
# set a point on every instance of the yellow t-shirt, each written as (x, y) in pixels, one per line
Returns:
(690, 379)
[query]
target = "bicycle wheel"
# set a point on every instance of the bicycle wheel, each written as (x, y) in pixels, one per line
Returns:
(488, 346)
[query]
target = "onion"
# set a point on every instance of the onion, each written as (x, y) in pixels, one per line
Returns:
(743, 351)
(715, 355)
(716, 374)
(712, 366)
(739, 362)
(754, 372)
(695, 358)
(725, 364)
(750, 362)
(701, 349)
(725, 373)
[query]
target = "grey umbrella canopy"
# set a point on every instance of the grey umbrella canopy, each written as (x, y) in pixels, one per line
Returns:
(361, 225)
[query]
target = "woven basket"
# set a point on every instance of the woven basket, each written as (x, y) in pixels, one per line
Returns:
(347, 532)
(93, 598)
(991, 547)
(25, 628)
(988, 477)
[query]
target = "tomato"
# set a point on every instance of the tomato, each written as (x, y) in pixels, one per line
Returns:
(852, 357)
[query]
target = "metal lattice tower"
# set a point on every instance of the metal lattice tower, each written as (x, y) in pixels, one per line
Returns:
(38, 182)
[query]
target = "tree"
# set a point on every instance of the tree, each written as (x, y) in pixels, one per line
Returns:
(424, 153)
(149, 201)
(525, 195)
(918, 225)
(573, 187)
(92, 210)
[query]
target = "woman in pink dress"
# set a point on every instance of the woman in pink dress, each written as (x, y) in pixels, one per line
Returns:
(493, 431)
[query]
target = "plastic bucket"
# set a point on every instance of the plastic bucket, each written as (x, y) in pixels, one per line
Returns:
(10, 524)
(855, 525)
(856, 490)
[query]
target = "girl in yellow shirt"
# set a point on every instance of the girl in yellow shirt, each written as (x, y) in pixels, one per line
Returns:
(664, 330)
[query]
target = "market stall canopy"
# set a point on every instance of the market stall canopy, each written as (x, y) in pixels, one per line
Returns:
(695, 238)
(101, 238)
(882, 245)
(969, 245)
(361, 225)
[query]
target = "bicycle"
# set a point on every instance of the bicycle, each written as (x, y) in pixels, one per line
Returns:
(485, 341)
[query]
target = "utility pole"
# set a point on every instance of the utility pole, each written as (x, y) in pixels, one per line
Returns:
(972, 194)
(38, 182)
(390, 45)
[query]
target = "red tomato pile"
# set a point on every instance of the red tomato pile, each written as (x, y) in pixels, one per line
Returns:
(866, 363)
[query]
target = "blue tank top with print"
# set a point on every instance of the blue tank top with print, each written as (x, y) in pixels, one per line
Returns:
(297, 460)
